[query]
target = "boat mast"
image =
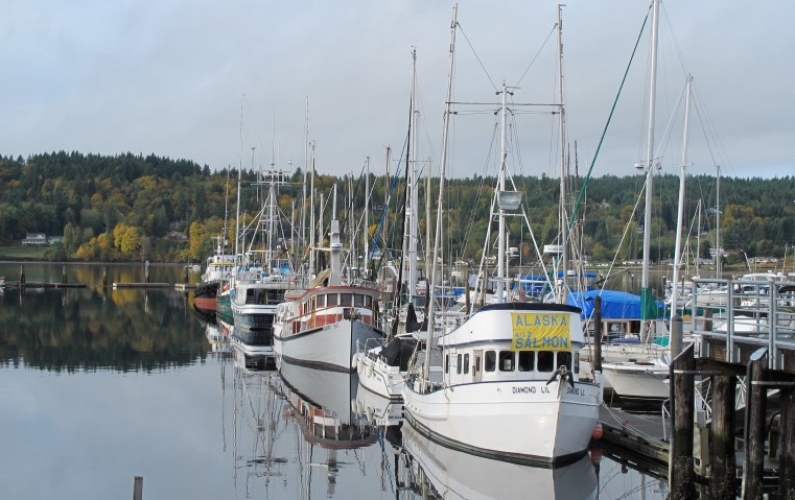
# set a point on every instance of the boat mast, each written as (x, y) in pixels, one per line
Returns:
(718, 251)
(365, 271)
(564, 234)
(335, 246)
(306, 167)
(680, 215)
(412, 211)
(239, 181)
(311, 271)
(646, 291)
(501, 250)
(442, 167)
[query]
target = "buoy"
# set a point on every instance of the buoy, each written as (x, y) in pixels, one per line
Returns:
(597, 431)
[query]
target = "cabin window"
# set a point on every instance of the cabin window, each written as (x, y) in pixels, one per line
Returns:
(321, 301)
(347, 300)
(526, 361)
(506, 361)
(577, 363)
(466, 363)
(458, 362)
(358, 300)
(333, 299)
(447, 363)
(491, 361)
(368, 302)
(564, 359)
(546, 361)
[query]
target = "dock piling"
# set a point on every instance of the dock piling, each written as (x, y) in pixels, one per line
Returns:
(786, 457)
(597, 334)
(723, 475)
(681, 475)
(22, 274)
(755, 426)
(138, 488)
(64, 279)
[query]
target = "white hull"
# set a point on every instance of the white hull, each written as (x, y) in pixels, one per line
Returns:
(639, 383)
(330, 347)
(457, 475)
(518, 421)
(376, 376)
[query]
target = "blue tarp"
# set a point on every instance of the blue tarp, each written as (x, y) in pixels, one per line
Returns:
(615, 304)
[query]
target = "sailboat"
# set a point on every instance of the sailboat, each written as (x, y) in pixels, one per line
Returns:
(382, 367)
(511, 387)
(645, 379)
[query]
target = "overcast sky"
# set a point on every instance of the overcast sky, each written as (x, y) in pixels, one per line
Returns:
(168, 77)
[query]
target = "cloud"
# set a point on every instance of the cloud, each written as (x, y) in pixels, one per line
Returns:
(167, 77)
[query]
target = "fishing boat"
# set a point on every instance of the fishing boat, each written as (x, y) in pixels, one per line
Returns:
(259, 285)
(511, 387)
(320, 326)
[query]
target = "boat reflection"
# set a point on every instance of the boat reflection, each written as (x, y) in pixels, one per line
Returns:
(256, 420)
(431, 470)
(218, 337)
(321, 404)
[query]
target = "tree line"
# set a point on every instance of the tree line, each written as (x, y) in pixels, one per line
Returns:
(132, 207)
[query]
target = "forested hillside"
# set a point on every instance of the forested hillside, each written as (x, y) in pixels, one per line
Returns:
(128, 207)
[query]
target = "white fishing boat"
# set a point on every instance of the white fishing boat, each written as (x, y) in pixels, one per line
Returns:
(259, 285)
(511, 387)
(321, 326)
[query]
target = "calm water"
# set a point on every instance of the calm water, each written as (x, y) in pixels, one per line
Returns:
(98, 387)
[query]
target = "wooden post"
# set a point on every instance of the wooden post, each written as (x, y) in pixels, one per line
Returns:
(104, 276)
(676, 335)
(186, 273)
(146, 272)
(723, 476)
(22, 275)
(708, 320)
(755, 426)
(596, 363)
(64, 280)
(786, 454)
(680, 473)
(138, 488)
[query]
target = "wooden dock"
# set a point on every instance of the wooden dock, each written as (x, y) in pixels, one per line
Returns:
(637, 439)
(19, 284)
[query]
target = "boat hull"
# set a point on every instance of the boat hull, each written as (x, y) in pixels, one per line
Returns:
(638, 384)
(529, 422)
(330, 347)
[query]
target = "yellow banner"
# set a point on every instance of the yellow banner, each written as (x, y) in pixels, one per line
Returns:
(540, 331)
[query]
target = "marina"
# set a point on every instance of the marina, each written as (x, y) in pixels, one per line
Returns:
(630, 440)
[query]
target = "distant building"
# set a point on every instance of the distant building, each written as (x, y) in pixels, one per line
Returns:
(35, 239)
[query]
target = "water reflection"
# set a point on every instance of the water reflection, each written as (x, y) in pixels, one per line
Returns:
(436, 472)
(75, 329)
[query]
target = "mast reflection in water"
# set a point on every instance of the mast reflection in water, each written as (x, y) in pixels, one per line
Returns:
(101, 385)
